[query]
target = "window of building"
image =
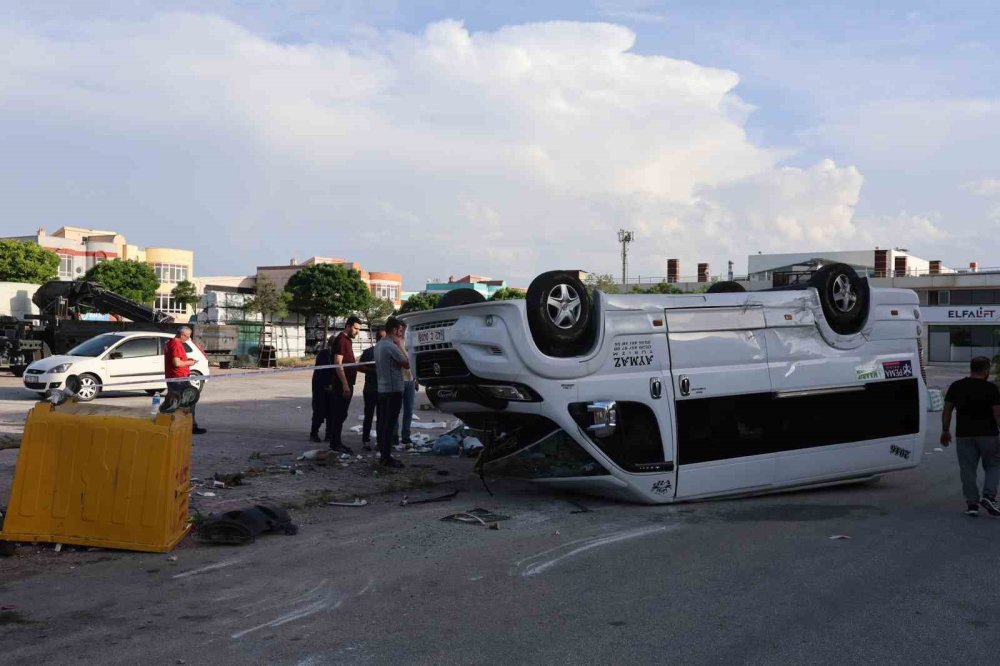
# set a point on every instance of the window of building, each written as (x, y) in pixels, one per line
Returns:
(170, 273)
(66, 266)
(386, 290)
(165, 302)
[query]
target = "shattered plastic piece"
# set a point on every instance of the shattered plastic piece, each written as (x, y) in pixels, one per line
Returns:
(242, 526)
(440, 498)
(477, 517)
(838, 537)
(356, 429)
(205, 493)
(938, 449)
(357, 502)
(58, 548)
(315, 454)
(172, 558)
(472, 445)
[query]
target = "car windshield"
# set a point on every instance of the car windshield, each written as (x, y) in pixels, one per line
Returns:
(95, 346)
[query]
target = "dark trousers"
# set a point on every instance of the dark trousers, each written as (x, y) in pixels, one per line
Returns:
(177, 387)
(339, 405)
(371, 402)
(321, 410)
(389, 406)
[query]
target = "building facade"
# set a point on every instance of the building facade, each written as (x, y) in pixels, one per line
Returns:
(81, 249)
(484, 285)
(381, 284)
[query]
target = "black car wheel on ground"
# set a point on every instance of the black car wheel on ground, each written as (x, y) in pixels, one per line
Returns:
(559, 313)
(462, 296)
(844, 297)
(725, 287)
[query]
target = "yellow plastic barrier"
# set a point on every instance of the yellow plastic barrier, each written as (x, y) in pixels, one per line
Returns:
(89, 477)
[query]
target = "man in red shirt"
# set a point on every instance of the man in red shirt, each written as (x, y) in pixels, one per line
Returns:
(343, 384)
(177, 365)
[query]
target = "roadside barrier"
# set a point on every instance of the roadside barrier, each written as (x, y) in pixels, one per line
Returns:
(88, 477)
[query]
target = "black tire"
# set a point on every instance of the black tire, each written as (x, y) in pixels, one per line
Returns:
(844, 297)
(726, 287)
(90, 387)
(559, 314)
(462, 296)
(152, 392)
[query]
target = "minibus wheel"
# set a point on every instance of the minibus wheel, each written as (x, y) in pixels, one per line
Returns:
(726, 287)
(559, 311)
(844, 297)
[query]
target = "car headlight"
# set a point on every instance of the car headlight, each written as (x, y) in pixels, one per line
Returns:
(59, 369)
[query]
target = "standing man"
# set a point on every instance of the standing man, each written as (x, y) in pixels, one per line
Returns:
(177, 365)
(322, 388)
(343, 385)
(390, 361)
(371, 388)
(977, 401)
(409, 393)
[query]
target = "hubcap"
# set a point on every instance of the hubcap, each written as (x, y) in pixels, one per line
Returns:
(844, 297)
(563, 306)
(88, 388)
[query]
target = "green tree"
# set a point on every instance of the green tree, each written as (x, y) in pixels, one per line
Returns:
(660, 288)
(375, 311)
(507, 294)
(599, 282)
(326, 290)
(186, 294)
(268, 301)
(131, 279)
(419, 302)
(27, 262)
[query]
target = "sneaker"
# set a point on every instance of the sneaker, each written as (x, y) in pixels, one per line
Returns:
(990, 505)
(315, 438)
(972, 511)
(391, 462)
(343, 449)
(366, 447)
(198, 431)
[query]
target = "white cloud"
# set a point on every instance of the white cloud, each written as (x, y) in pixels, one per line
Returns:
(444, 152)
(986, 187)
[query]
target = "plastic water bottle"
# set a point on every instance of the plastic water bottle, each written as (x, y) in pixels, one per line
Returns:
(155, 409)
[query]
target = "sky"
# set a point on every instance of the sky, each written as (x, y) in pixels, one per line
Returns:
(437, 138)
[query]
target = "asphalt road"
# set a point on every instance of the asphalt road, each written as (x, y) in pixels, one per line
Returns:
(748, 581)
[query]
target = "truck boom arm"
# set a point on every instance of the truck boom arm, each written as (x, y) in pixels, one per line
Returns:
(90, 296)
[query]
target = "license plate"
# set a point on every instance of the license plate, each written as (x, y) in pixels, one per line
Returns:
(30, 380)
(430, 337)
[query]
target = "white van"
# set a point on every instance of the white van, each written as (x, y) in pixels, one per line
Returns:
(659, 398)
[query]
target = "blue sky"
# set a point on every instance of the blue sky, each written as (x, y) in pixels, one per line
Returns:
(257, 131)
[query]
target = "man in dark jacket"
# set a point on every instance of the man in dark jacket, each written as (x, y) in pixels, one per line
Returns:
(371, 389)
(322, 390)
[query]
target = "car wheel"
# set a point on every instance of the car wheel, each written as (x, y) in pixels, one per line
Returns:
(89, 387)
(199, 385)
(844, 297)
(726, 287)
(462, 296)
(559, 313)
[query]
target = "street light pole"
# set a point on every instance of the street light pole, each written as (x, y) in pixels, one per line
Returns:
(625, 237)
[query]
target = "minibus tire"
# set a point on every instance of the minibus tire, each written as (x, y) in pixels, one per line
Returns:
(464, 296)
(726, 287)
(835, 284)
(557, 331)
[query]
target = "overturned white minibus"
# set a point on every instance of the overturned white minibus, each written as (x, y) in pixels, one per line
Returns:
(660, 398)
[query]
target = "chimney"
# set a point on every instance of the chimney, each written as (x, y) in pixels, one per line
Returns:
(293, 261)
(973, 266)
(935, 266)
(41, 232)
(673, 269)
(702, 272)
(899, 266)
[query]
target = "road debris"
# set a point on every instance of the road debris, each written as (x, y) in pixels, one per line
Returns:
(839, 537)
(242, 526)
(357, 502)
(483, 517)
(440, 498)
(315, 454)
(430, 425)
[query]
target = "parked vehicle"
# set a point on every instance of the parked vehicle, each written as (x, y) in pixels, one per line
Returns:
(659, 398)
(133, 358)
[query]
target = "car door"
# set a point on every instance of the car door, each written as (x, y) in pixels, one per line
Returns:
(722, 393)
(135, 363)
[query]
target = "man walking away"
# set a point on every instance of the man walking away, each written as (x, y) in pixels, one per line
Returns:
(322, 388)
(371, 388)
(390, 361)
(977, 401)
(177, 365)
(343, 385)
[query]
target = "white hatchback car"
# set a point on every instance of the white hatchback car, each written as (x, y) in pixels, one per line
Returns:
(133, 359)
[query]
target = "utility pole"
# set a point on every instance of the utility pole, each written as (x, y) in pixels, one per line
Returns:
(625, 237)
